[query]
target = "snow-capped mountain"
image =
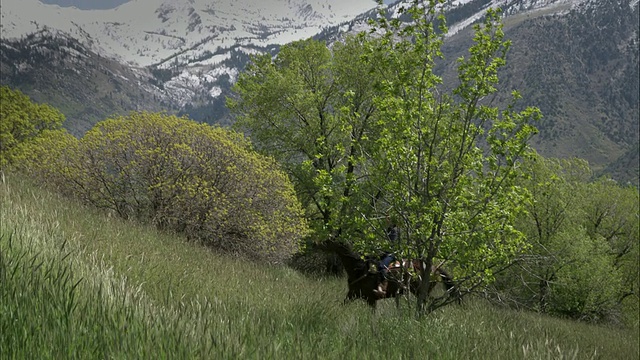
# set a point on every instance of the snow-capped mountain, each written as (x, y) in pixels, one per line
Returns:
(463, 13)
(575, 59)
(153, 32)
(201, 45)
(193, 40)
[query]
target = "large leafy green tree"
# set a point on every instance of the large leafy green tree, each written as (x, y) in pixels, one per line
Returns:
(312, 109)
(612, 214)
(369, 133)
(552, 226)
(22, 120)
(445, 161)
(611, 217)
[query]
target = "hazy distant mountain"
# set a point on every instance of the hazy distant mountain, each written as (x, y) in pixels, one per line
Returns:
(575, 59)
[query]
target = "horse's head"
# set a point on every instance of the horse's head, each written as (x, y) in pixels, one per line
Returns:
(354, 264)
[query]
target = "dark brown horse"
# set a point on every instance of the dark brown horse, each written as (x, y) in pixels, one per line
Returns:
(362, 274)
(363, 277)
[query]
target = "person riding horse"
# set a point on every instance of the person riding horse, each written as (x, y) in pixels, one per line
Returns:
(387, 258)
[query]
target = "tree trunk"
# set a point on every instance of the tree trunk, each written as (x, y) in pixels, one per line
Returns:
(543, 294)
(424, 288)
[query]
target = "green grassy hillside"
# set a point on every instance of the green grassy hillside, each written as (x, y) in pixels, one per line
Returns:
(77, 283)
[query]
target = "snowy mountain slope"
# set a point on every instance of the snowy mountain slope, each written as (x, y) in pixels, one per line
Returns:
(196, 46)
(575, 59)
(152, 32)
(86, 87)
(461, 14)
(203, 44)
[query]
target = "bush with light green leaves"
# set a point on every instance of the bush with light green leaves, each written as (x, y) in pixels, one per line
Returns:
(203, 181)
(22, 120)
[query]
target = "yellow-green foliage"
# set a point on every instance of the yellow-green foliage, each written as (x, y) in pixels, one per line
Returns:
(187, 177)
(22, 120)
(47, 157)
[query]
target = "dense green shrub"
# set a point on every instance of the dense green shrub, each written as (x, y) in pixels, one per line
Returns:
(583, 260)
(47, 157)
(22, 120)
(182, 176)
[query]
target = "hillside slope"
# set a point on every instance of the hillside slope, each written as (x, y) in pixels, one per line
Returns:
(110, 288)
(580, 67)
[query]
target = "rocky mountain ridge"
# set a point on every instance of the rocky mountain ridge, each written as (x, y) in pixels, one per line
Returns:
(575, 59)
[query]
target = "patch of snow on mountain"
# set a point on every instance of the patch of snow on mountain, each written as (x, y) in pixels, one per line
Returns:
(215, 91)
(512, 7)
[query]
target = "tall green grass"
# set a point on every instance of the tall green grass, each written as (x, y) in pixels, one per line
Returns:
(77, 283)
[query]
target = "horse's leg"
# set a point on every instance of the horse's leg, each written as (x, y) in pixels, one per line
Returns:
(406, 283)
(351, 295)
(372, 302)
(451, 287)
